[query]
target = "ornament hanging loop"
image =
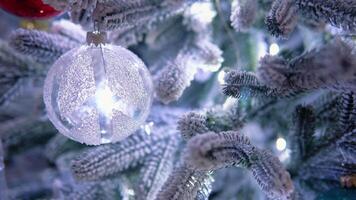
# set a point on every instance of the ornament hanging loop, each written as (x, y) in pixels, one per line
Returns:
(96, 37)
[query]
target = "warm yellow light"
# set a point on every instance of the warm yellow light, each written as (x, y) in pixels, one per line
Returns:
(281, 144)
(273, 49)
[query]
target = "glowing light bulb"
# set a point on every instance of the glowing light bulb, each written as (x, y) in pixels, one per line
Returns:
(221, 77)
(281, 144)
(203, 11)
(274, 49)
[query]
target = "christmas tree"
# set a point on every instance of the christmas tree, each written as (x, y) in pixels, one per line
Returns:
(241, 99)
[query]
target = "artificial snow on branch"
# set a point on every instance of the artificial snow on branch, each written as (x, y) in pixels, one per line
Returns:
(192, 124)
(212, 151)
(346, 111)
(43, 47)
(215, 120)
(109, 14)
(245, 84)
(176, 76)
(243, 14)
(171, 81)
(333, 66)
(106, 160)
(156, 169)
(283, 18)
(183, 184)
(339, 13)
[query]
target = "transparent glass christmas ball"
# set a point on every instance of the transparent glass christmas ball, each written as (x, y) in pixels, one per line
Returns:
(98, 94)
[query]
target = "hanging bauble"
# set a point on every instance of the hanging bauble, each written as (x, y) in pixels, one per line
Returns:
(34, 9)
(98, 93)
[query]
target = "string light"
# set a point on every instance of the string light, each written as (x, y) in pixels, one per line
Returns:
(273, 49)
(281, 144)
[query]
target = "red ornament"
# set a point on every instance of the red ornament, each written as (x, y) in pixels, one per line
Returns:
(34, 9)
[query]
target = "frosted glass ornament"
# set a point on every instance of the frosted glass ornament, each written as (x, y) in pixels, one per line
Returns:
(98, 93)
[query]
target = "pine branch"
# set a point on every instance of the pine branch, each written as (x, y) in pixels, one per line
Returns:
(326, 107)
(175, 77)
(245, 84)
(192, 124)
(119, 14)
(205, 188)
(271, 176)
(16, 90)
(215, 120)
(346, 108)
(340, 13)
(10, 58)
(3, 182)
(132, 35)
(331, 67)
(9, 75)
(327, 168)
(82, 12)
(219, 120)
(101, 190)
(59, 145)
(271, 71)
(43, 47)
(16, 73)
(261, 109)
(213, 151)
(21, 134)
(30, 190)
(283, 18)
(200, 52)
(347, 146)
(303, 134)
(243, 14)
(331, 162)
(183, 184)
(172, 80)
(69, 30)
(106, 160)
(156, 169)
(162, 115)
(122, 14)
